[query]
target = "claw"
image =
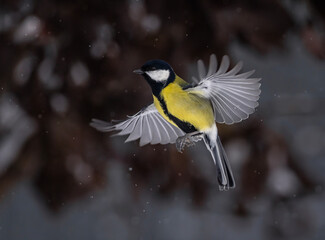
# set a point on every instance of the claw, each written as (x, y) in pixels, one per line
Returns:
(188, 140)
(179, 144)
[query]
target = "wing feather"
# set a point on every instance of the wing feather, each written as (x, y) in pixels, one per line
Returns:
(201, 69)
(146, 134)
(235, 70)
(147, 125)
(229, 110)
(156, 136)
(173, 133)
(225, 62)
(129, 128)
(163, 131)
(136, 134)
(212, 65)
(233, 96)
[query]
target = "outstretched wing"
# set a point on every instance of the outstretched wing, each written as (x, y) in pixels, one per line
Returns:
(147, 124)
(233, 96)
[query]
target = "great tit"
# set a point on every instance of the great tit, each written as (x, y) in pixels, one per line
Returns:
(185, 113)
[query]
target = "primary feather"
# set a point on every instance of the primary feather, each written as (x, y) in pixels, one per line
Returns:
(147, 125)
(233, 96)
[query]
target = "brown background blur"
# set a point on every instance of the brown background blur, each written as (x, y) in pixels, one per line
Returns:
(65, 62)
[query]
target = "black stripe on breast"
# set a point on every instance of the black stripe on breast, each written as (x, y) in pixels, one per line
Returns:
(185, 126)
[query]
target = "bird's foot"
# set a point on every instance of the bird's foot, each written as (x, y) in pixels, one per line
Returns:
(188, 140)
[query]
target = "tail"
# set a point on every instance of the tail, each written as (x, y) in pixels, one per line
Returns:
(224, 174)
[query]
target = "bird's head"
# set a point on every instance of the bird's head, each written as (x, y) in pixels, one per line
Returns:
(158, 73)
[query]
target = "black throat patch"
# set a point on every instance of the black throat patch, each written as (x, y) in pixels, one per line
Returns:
(158, 86)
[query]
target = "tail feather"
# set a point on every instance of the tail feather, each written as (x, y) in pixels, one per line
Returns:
(224, 172)
(231, 180)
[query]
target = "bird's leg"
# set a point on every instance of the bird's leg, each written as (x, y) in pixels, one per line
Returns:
(188, 140)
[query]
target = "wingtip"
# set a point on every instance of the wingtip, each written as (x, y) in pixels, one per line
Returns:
(101, 125)
(213, 58)
(225, 57)
(141, 144)
(252, 71)
(240, 65)
(93, 122)
(201, 69)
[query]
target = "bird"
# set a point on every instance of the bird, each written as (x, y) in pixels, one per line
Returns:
(183, 113)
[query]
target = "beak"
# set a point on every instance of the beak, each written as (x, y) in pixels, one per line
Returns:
(138, 71)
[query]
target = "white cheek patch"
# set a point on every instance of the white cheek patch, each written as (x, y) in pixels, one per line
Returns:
(159, 75)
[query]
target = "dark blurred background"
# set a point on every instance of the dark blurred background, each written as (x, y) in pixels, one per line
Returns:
(65, 62)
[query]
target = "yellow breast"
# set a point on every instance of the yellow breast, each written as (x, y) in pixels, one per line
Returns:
(187, 107)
